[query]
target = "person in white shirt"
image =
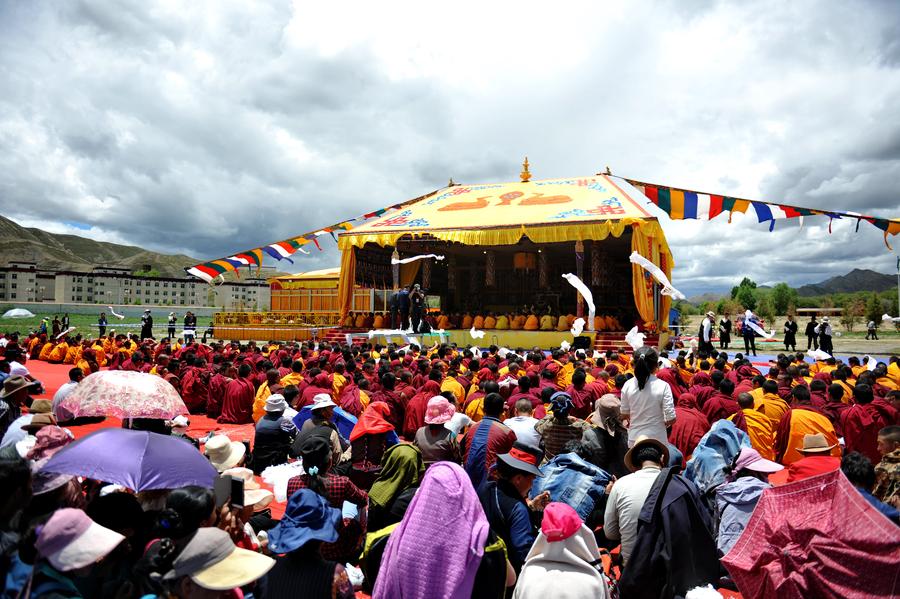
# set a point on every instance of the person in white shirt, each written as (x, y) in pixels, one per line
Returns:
(628, 494)
(523, 424)
(75, 377)
(648, 407)
(705, 333)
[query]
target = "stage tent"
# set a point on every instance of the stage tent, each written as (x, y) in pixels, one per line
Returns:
(543, 211)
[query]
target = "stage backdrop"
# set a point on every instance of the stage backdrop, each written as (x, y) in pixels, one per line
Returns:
(545, 211)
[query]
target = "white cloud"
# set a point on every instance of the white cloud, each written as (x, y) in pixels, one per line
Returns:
(217, 126)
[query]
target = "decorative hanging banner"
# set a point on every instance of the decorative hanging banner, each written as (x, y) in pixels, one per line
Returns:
(283, 250)
(682, 204)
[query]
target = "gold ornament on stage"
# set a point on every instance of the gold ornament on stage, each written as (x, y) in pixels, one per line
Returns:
(525, 175)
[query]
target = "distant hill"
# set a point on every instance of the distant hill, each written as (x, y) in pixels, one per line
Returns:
(70, 252)
(707, 297)
(855, 280)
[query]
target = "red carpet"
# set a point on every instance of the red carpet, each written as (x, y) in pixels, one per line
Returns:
(53, 376)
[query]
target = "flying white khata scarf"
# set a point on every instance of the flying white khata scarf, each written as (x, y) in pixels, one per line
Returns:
(414, 258)
(658, 274)
(585, 293)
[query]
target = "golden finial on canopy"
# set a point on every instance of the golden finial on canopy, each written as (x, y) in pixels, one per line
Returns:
(525, 174)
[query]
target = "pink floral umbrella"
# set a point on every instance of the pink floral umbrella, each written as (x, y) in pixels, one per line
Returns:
(121, 394)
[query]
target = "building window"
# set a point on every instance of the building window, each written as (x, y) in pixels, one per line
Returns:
(13, 285)
(15, 276)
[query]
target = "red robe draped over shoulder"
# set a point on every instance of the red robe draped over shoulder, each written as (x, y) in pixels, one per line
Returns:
(237, 406)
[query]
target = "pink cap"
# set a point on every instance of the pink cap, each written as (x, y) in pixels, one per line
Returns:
(439, 410)
(749, 459)
(560, 521)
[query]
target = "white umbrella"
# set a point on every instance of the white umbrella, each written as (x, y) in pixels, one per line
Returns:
(18, 313)
(124, 394)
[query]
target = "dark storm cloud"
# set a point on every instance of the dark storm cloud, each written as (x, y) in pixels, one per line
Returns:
(209, 128)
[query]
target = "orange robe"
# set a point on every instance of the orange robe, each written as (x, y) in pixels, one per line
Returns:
(348, 322)
(443, 322)
(379, 322)
(475, 409)
(259, 401)
(467, 321)
(360, 321)
(490, 322)
(599, 323)
(806, 422)
(894, 372)
(72, 355)
(772, 406)
(478, 323)
(546, 322)
(291, 378)
(452, 385)
(46, 351)
(59, 353)
(531, 323)
(562, 324)
(517, 323)
(761, 431)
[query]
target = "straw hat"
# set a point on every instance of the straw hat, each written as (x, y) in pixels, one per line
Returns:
(41, 406)
(816, 443)
(14, 384)
(223, 453)
(644, 441)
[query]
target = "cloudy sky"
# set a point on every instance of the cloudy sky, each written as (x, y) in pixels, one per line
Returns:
(213, 127)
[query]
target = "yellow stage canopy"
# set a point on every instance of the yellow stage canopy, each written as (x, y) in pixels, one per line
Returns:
(313, 279)
(545, 211)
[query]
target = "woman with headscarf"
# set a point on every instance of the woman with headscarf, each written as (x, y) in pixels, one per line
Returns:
(369, 439)
(690, 425)
(415, 409)
(559, 428)
(420, 544)
(562, 562)
(608, 437)
(396, 485)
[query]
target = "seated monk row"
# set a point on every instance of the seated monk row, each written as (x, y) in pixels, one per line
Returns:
(491, 321)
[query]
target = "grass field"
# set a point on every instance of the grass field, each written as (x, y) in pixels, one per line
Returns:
(86, 323)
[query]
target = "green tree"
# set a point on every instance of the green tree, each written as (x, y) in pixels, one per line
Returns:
(746, 297)
(874, 309)
(745, 282)
(766, 310)
(147, 273)
(783, 296)
(853, 310)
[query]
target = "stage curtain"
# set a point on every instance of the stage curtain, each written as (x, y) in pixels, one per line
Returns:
(643, 295)
(347, 282)
(408, 272)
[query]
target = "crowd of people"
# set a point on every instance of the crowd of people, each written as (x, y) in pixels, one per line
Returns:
(439, 472)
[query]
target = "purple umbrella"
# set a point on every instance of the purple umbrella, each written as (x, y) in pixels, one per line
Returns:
(138, 460)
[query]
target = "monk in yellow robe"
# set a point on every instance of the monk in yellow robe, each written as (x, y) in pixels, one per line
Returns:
(349, 320)
(516, 322)
(893, 372)
(502, 323)
(452, 385)
(443, 322)
(531, 323)
(772, 405)
(59, 353)
(72, 355)
(759, 427)
(360, 321)
(599, 323)
(478, 322)
(292, 378)
(379, 322)
(547, 323)
(475, 409)
(467, 321)
(792, 428)
(490, 322)
(32, 344)
(46, 351)
(562, 323)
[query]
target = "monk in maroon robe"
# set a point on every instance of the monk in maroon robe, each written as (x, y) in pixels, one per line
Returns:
(690, 425)
(721, 404)
(861, 424)
(195, 389)
(583, 395)
(415, 409)
(237, 405)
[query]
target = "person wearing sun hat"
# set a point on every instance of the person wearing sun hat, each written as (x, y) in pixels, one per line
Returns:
(223, 453)
(817, 458)
(68, 545)
(736, 499)
(15, 391)
(436, 442)
(308, 522)
(645, 459)
(210, 561)
(561, 563)
(273, 435)
(505, 500)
